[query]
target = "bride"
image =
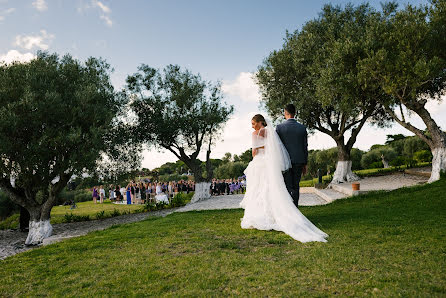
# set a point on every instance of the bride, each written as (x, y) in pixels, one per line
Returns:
(267, 203)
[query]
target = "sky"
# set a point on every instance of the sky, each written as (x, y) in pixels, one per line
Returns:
(222, 40)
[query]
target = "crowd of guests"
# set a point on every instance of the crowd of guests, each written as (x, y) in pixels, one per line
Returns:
(141, 192)
(227, 186)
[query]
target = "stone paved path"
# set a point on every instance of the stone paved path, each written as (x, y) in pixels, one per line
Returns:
(233, 202)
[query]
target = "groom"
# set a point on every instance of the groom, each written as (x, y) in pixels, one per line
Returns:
(294, 138)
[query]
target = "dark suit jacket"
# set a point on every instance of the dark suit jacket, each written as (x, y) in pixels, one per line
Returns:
(295, 139)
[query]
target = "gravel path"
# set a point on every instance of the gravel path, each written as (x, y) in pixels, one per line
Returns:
(233, 202)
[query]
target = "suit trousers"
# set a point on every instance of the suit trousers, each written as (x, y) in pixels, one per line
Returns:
(292, 178)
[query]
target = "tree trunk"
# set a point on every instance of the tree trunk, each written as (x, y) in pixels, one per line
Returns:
(384, 161)
(343, 171)
(202, 187)
(39, 226)
(436, 140)
(438, 146)
(202, 191)
(438, 163)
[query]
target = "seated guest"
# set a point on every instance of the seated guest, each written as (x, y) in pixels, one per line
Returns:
(160, 196)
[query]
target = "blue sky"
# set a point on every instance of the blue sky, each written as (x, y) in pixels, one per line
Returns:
(222, 40)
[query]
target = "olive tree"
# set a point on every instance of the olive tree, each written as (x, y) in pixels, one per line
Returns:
(178, 111)
(317, 71)
(54, 114)
(407, 60)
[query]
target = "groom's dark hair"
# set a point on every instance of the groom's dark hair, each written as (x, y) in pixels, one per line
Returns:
(291, 109)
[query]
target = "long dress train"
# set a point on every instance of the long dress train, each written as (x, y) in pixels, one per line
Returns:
(267, 203)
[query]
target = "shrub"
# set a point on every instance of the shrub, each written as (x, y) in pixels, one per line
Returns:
(115, 212)
(149, 206)
(82, 196)
(399, 161)
(70, 217)
(100, 214)
(11, 222)
(7, 207)
(372, 159)
(179, 200)
(423, 156)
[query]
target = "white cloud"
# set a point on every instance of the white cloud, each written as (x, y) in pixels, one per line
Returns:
(107, 20)
(243, 87)
(29, 41)
(40, 5)
(437, 107)
(102, 6)
(6, 12)
(104, 9)
(16, 56)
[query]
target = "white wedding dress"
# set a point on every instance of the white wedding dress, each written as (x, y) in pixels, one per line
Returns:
(267, 203)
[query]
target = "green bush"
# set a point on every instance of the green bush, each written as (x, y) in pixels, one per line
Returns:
(7, 207)
(230, 170)
(70, 217)
(115, 212)
(423, 156)
(11, 222)
(100, 214)
(78, 195)
(372, 159)
(398, 161)
(179, 200)
(83, 196)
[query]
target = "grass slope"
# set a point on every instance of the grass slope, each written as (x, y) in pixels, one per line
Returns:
(89, 208)
(384, 244)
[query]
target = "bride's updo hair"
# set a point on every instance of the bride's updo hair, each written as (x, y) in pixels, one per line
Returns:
(259, 118)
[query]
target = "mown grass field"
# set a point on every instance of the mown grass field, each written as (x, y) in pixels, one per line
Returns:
(383, 244)
(91, 209)
(83, 208)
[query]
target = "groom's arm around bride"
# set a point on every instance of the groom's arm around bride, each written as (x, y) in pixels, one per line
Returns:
(295, 139)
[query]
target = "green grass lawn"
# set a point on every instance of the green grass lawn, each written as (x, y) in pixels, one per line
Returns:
(89, 208)
(83, 208)
(383, 244)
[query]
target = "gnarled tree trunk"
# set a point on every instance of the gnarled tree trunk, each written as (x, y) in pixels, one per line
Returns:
(343, 171)
(39, 227)
(438, 163)
(39, 223)
(40, 212)
(202, 191)
(436, 140)
(202, 187)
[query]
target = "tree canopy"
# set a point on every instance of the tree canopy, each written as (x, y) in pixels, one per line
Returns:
(317, 71)
(178, 111)
(54, 116)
